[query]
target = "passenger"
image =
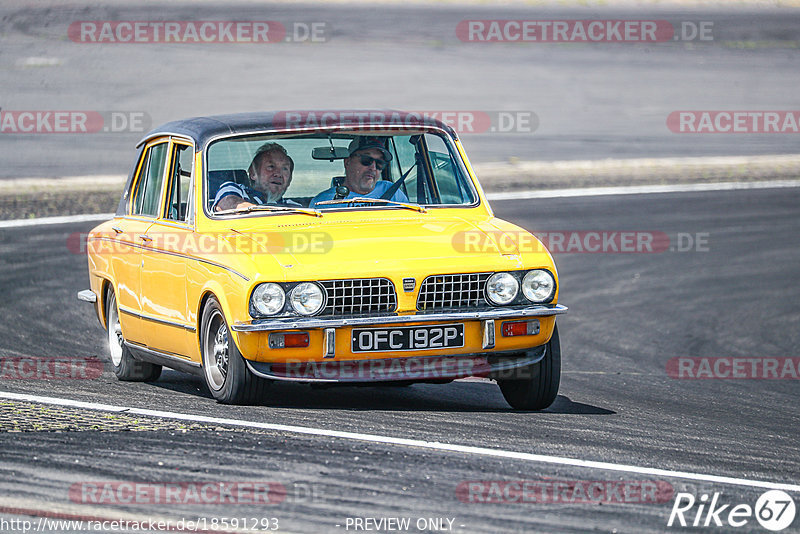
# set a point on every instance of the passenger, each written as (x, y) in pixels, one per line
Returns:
(362, 172)
(270, 175)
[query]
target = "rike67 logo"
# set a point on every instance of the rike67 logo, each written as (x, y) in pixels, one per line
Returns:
(774, 510)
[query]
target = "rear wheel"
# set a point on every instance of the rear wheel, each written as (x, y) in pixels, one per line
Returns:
(224, 369)
(539, 386)
(125, 366)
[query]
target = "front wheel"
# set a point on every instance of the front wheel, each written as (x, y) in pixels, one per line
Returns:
(125, 366)
(538, 387)
(226, 374)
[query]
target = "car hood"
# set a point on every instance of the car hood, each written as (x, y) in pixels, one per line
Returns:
(367, 248)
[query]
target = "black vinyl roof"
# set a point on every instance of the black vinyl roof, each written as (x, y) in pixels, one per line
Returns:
(202, 129)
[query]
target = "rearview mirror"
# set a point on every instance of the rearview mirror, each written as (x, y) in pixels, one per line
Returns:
(330, 152)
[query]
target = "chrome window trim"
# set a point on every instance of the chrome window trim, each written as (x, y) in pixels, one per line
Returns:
(190, 215)
(156, 135)
(174, 224)
(282, 131)
(135, 184)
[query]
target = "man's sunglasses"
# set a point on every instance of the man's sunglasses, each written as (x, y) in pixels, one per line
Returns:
(366, 161)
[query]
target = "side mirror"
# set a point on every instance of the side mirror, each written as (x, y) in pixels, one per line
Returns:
(330, 152)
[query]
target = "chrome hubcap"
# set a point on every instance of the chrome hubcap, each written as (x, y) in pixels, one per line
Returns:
(216, 351)
(115, 338)
(221, 349)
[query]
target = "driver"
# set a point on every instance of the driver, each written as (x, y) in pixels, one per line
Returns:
(362, 172)
(270, 175)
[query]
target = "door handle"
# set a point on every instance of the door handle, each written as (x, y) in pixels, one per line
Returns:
(146, 238)
(117, 229)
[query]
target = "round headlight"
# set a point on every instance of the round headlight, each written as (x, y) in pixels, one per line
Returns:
(538, 285)
(268, 299)
(501, 288)
(306, 298)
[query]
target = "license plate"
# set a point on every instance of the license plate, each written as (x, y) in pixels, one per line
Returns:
(404, 338)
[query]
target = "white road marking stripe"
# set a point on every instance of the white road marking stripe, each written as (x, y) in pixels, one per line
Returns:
(16, 223)
(511, 195)
(388, 440)
(640, 189)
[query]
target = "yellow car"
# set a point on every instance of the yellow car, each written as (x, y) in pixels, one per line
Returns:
(345, 247)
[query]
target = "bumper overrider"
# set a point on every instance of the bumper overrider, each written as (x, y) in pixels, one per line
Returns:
(491, 364)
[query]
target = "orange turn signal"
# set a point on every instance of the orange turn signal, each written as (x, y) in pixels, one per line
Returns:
(520, 328)
(286, 340)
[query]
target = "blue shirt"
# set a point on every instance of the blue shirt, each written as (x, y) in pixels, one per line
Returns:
(247, 193)
(380, 188)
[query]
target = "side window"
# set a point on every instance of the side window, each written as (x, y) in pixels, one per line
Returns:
(404, 163)
(180, 183)
(151, 177)
(451, 184)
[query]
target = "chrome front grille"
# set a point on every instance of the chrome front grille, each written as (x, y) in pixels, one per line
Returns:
(359, 296)
(443, 291)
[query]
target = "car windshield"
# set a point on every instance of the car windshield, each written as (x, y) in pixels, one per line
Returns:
(332, 171)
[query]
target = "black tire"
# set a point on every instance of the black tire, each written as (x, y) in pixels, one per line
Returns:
(539, 387)
(125, 366)
(224, 370)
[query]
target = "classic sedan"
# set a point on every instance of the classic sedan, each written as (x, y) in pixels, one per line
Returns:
(341, 247)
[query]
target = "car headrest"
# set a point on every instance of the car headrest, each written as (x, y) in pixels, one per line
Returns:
(229, 175)
(217, 178)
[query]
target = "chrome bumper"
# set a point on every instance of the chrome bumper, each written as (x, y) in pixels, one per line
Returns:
(288, 323)
(87, 295)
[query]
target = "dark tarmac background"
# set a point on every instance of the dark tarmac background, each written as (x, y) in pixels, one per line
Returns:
(592, 100)
(629, 313)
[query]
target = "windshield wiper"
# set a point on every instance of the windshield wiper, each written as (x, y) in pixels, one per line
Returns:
(368, 200)
(262, 207)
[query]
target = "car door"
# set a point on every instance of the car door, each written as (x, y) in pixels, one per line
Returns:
(164, 257)
(130, 234)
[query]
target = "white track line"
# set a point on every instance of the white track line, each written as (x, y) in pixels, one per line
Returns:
(511, 195)
(640, 189)
(388, 440)
(16, 223)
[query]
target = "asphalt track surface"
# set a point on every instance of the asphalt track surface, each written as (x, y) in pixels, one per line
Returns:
(629, 314)
(591, 100)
